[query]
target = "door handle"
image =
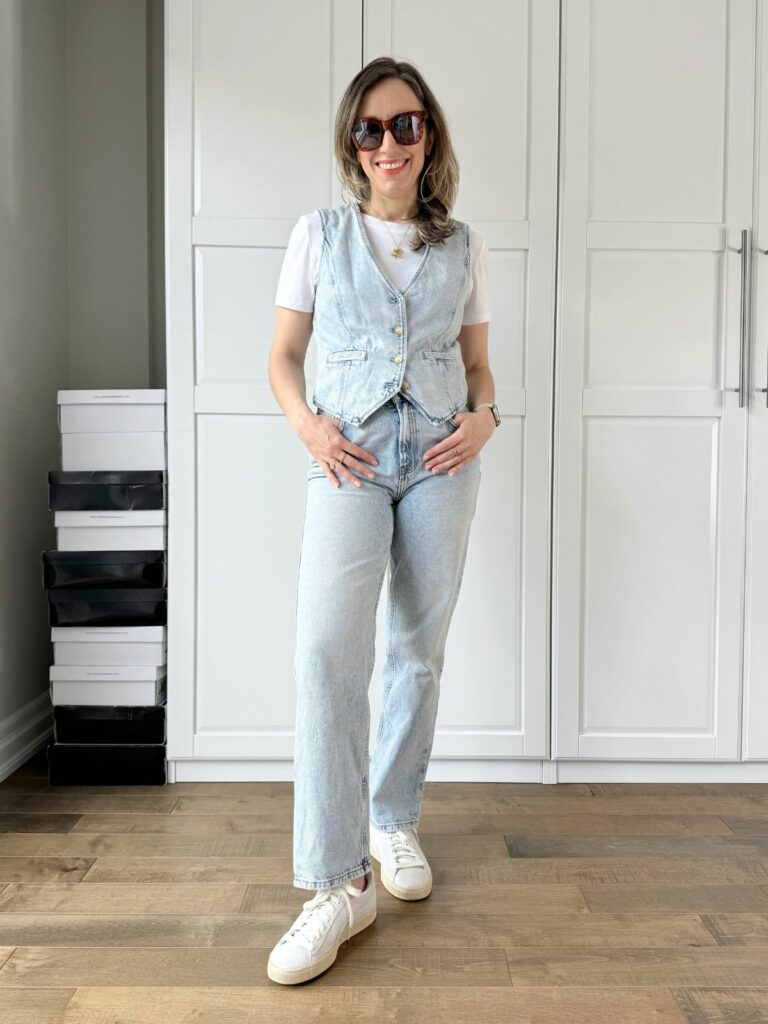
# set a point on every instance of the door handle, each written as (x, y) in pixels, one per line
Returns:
(745, 251)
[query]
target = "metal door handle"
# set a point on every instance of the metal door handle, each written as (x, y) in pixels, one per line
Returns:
(745, 251)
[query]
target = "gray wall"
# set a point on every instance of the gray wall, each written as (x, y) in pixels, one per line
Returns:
(81, 280)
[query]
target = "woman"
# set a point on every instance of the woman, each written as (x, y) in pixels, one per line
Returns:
(394, 291)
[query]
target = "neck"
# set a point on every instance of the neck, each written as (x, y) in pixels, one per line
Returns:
(391, 209)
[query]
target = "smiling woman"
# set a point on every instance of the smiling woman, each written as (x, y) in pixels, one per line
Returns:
(397, 291)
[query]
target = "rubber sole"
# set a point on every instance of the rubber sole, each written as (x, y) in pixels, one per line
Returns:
(398, 890)
(284, 977)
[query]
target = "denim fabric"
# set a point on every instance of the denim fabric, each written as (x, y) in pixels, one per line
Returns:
(373, 339)
(421, 521)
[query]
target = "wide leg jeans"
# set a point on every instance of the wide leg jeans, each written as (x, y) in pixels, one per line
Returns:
(419, 522)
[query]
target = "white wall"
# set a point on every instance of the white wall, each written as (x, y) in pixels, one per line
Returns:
(81, 280)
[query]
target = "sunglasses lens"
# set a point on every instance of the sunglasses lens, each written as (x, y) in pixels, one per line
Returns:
(406, 130)
(367, 134)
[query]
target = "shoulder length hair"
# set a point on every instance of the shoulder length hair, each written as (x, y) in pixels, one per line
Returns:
(439, 179)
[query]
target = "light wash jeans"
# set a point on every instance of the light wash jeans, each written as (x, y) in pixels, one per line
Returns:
(421, 521)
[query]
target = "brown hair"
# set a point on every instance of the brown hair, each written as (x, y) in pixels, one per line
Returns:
(439, 179)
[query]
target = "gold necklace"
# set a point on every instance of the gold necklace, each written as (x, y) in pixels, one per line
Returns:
(398, 252)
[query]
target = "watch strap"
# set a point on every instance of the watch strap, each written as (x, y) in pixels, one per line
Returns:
(492, 407)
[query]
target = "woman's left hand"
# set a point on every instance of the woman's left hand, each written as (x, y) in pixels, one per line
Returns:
(473, 431)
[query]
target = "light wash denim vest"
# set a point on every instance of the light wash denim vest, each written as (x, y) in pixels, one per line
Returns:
(374, 340)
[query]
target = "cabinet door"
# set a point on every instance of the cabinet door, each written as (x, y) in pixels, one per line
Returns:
(756, 604)
(656, 187)
(494, 700)
(250, 109)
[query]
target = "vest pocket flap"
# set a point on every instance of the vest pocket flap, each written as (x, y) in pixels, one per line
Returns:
(439, 355)
(346, 355)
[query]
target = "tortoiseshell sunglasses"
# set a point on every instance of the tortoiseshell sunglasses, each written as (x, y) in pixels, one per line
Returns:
(407, 129)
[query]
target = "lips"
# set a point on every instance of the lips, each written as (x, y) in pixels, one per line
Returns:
(381, 165)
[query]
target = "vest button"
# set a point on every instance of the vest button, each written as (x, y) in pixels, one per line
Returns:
(398, 358)
(398, 329)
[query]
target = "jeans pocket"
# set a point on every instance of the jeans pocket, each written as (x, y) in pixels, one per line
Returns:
(464, 408)
(336, 419)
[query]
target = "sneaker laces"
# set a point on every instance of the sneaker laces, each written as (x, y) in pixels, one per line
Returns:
(401, 845)
(317, 914)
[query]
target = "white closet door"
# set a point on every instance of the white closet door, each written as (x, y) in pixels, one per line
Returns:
(494, 694)
(756, 605)
(250, 106)
(657, 113)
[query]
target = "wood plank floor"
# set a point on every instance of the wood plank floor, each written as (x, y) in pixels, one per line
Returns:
(568, 904)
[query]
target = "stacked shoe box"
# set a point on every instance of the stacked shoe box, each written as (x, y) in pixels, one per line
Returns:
(107, 590)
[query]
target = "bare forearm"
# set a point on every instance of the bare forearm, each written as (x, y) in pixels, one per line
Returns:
(480, 386)
(286, 378)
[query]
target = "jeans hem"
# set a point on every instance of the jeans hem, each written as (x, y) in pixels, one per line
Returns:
(396, 826)
(363, 868)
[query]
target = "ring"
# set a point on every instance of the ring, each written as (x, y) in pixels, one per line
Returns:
(456, 451)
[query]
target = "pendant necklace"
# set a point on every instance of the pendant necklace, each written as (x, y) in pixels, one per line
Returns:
(398, 252)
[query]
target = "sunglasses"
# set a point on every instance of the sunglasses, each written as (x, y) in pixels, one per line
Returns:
(407, 129)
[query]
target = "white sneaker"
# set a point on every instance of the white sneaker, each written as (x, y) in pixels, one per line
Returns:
(405, 871)
(331, 917)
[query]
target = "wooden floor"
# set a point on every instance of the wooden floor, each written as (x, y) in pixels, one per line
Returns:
(568, 904)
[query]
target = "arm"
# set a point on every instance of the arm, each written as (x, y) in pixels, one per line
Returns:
(293, 330)
(473, 339)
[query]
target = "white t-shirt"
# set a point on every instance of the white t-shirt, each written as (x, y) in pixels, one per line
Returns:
(298, 276)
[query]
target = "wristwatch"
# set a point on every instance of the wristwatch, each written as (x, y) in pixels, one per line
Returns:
(492, 406)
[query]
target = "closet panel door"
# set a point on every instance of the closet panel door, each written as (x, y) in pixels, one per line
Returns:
(497, 80)
(756, 604)
(650, 437)
(250, 105)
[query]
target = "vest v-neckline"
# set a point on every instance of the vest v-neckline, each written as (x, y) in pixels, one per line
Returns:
(364, 237)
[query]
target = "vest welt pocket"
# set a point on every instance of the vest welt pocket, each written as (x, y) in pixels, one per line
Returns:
(346, 355)
(439, 356)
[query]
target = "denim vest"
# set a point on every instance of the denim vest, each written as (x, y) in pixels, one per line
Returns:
(374, 340)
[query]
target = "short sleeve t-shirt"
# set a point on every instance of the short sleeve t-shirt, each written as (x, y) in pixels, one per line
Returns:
(298, 276)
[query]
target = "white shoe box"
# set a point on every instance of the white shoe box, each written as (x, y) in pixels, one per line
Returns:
(94, 412)
(113, 451)
(132, 530)
(109, 645)
(108, 685)
(112, 429)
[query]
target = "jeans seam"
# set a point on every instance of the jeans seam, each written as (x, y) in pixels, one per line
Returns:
(390, 651)
(366, 795)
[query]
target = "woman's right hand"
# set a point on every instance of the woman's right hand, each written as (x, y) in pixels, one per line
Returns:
(324, 441)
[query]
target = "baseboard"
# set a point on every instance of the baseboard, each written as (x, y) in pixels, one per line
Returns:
(24, 733)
